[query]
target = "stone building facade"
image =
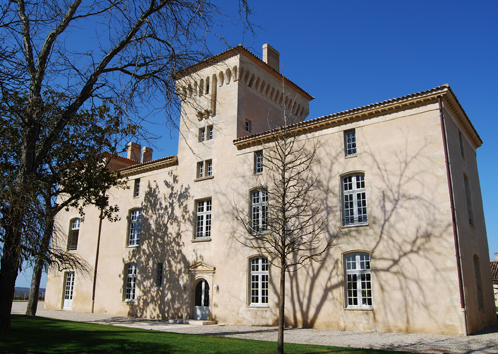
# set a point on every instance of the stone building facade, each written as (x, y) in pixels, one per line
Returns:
(398, 178)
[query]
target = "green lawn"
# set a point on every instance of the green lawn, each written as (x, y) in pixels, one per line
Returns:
(44, 335)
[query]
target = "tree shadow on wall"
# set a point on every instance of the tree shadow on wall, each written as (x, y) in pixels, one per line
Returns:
(164, 214)
(405, 238)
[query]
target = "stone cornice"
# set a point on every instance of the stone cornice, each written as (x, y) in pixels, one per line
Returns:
(233, 52)
(149, 166)
(366, 112)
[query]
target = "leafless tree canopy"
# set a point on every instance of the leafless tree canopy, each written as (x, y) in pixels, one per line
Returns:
(122, 51)
(295, 219)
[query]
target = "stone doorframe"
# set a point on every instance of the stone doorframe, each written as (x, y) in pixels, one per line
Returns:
(196, 272)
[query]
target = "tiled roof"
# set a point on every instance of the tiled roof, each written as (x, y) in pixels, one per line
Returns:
(341, 117)
(494, 270)
(230, 53)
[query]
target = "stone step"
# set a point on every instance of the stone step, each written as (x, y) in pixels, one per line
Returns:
(192, 322)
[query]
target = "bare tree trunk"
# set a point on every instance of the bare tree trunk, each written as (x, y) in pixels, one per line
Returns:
(8, 274)
(281, 312)
(41, 260)
(35, 287)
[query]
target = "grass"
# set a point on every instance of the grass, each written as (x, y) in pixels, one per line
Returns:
(45, 335)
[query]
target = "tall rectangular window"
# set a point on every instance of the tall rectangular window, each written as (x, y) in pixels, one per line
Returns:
(74, 232)
(462, 151)
(350, 142)
(259, 210)
(259, 281)
(477, 272)
(200, 169)
(248, 126)
(209, 168)
(210, 132)
(358, 280)
(159, 275)
(131, 282)
(354, 199)
(203, 219)
(136, 189)
(468, 196)
(135, 227)
(202, 134)
(258, 162)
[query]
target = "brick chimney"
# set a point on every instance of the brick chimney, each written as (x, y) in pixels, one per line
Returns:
(146, 154)
(134, 151)
(271, 57)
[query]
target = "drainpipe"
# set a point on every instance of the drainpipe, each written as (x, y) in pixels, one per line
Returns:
(453, 216)
(101, 216)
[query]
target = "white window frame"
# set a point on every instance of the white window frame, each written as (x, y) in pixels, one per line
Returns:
(259, 210)
(258, 162)
(258, 281)
(202, 134)
(204, 169)
(358, 280)
(203, 219)
(209, 133)
(131, 282)
(350, 142)
(136, 188)
(74, 232)
(354, 200)
(135, 228)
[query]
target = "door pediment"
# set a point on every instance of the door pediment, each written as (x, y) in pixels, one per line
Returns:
(201, 267)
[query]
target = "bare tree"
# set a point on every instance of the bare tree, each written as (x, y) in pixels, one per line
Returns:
(137, 46)
(288, 223)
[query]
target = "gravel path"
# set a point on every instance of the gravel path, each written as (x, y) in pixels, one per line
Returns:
(485, 342)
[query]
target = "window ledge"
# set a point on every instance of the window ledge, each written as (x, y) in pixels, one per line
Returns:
(259, 307)
(348, 226)
(129, 301)
(133, 246)
(350, 156)
(369, 308)
(203, 178)
(201, 239)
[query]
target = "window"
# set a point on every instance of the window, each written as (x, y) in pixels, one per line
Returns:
(203, 219)
(202, 134)
(131, 282)
(259, 210)
(159, 275)
(259, 281)
(358, 280)
(136, 190)
(135, 226)
(248, 126)
(205, 169)
(355, 199)
(210, 132)
(468, 195)
(350, 142)
(477, 271)
(74, 232)
(258, 162)
(460, 137)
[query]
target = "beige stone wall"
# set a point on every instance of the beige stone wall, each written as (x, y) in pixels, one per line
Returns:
(409, 235)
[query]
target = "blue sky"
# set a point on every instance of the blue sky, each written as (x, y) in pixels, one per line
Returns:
(349, 54)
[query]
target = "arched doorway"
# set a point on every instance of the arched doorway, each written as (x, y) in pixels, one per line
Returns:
(201, 300)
